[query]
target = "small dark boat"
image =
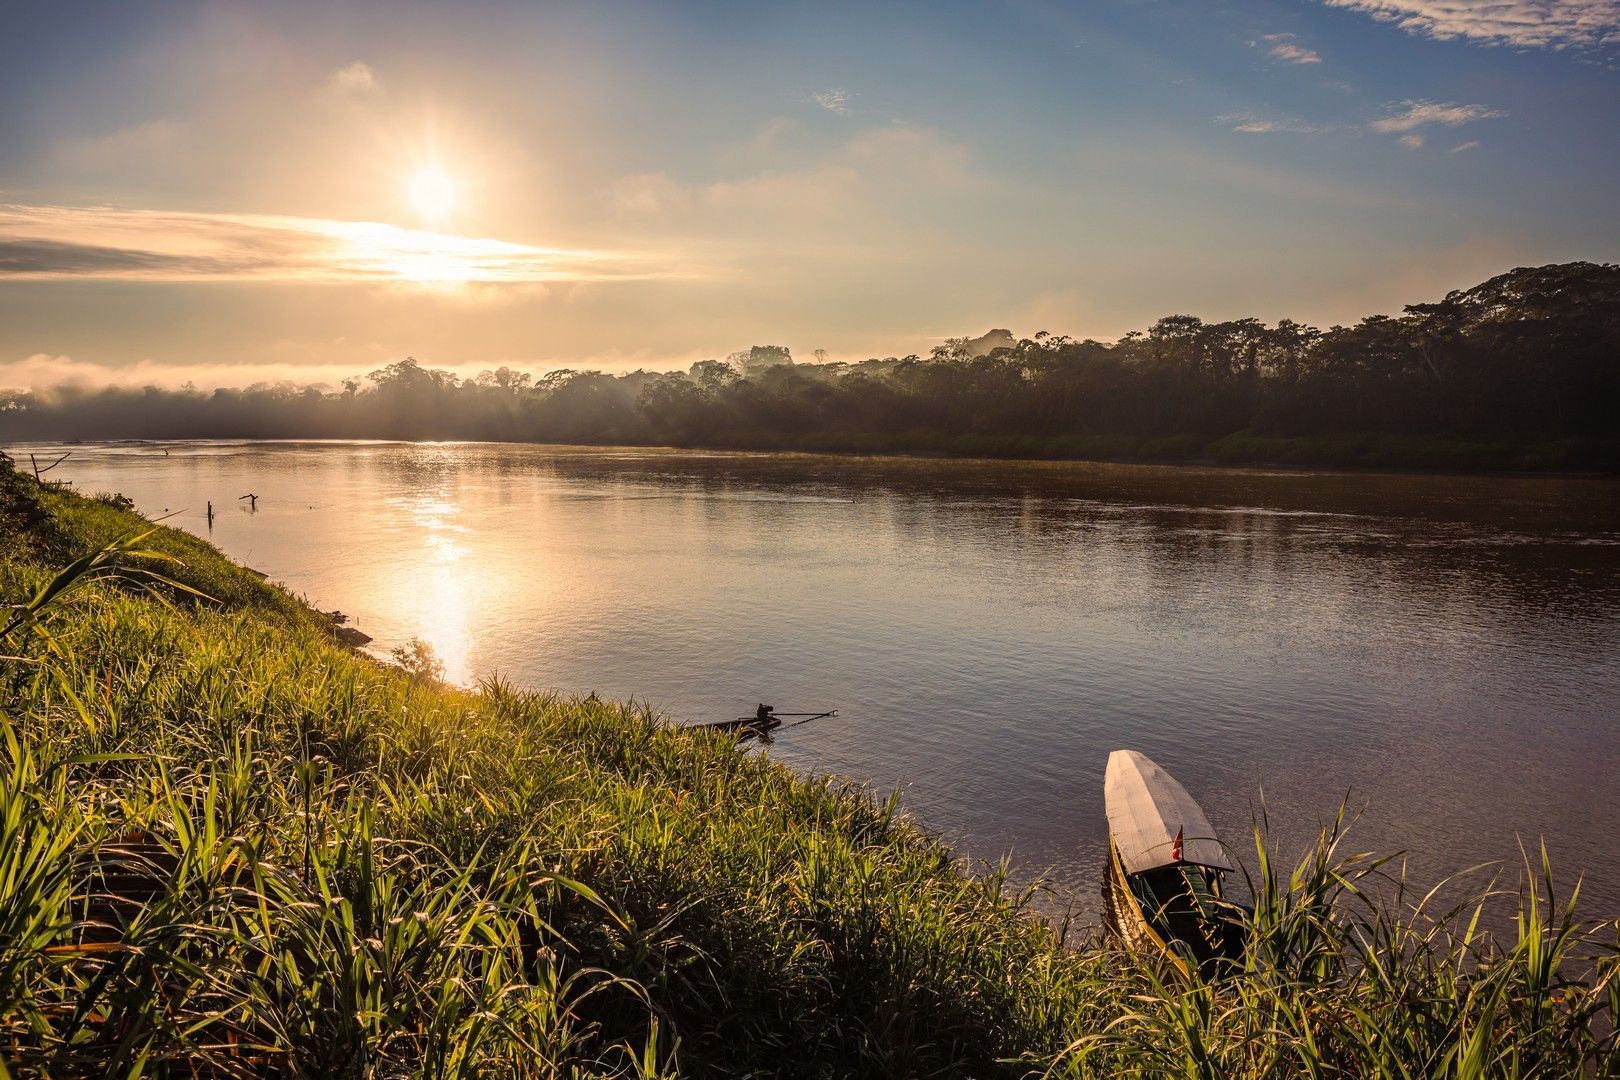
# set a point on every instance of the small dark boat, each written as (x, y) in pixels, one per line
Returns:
(762, 722)
(745, 725)
(1165, 869)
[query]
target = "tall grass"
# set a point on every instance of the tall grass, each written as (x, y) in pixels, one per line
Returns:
(230, 846)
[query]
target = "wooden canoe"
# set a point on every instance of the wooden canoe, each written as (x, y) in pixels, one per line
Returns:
(750, 726)
(1165, 869)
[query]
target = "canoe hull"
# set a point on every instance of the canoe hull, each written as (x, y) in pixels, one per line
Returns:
(749, 726)
(1125, 916)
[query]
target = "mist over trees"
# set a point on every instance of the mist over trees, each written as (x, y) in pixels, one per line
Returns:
(1521, 370)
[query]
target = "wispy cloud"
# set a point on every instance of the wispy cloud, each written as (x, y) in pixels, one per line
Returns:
(47, 243)
(1410, 115)
(117, 148)
(1404, 119)
(1540, 24)
(1461, 147)
(835, 100)
(355, 78)
(1286, 47)
(1249, 123)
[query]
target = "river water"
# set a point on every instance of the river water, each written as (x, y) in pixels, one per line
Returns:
(1442, 651)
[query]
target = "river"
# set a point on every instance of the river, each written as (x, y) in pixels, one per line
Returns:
(1441, 651)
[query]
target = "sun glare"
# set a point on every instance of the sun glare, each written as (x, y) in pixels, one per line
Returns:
(433, 193)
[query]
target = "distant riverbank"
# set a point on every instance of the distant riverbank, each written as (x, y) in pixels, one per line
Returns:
(1365, 451)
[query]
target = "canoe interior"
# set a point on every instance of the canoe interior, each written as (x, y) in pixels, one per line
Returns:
(1178, 910)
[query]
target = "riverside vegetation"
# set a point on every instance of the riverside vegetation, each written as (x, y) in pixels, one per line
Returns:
(1518, 372)
(231, 846)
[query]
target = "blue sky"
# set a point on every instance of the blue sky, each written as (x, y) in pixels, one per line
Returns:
(230, 192)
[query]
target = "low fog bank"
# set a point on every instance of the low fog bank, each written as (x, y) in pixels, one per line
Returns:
(1531, 356)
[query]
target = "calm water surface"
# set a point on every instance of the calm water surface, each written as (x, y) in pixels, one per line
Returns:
(1443, 650)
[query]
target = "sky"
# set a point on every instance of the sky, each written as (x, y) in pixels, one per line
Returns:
(229, 193)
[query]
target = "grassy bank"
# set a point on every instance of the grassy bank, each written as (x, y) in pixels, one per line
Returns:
(229, 843)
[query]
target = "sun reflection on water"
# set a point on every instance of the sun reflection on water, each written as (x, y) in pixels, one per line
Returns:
(443, 608)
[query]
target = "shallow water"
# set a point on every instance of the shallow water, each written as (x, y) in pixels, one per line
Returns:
(1445, 651)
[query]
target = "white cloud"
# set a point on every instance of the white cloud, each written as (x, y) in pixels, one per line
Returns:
(1284, 47)
(910, 153)
(835, 100)
(773, 136)
(355, 78)
(1415, 114)
(848, 181)
(1542, 24)
(645, 195)
(1469, 145)
(1412, 142)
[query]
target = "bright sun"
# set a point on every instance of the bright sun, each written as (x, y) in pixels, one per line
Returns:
(432, 192)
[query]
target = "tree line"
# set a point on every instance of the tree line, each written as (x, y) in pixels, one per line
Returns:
(1521, 370)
